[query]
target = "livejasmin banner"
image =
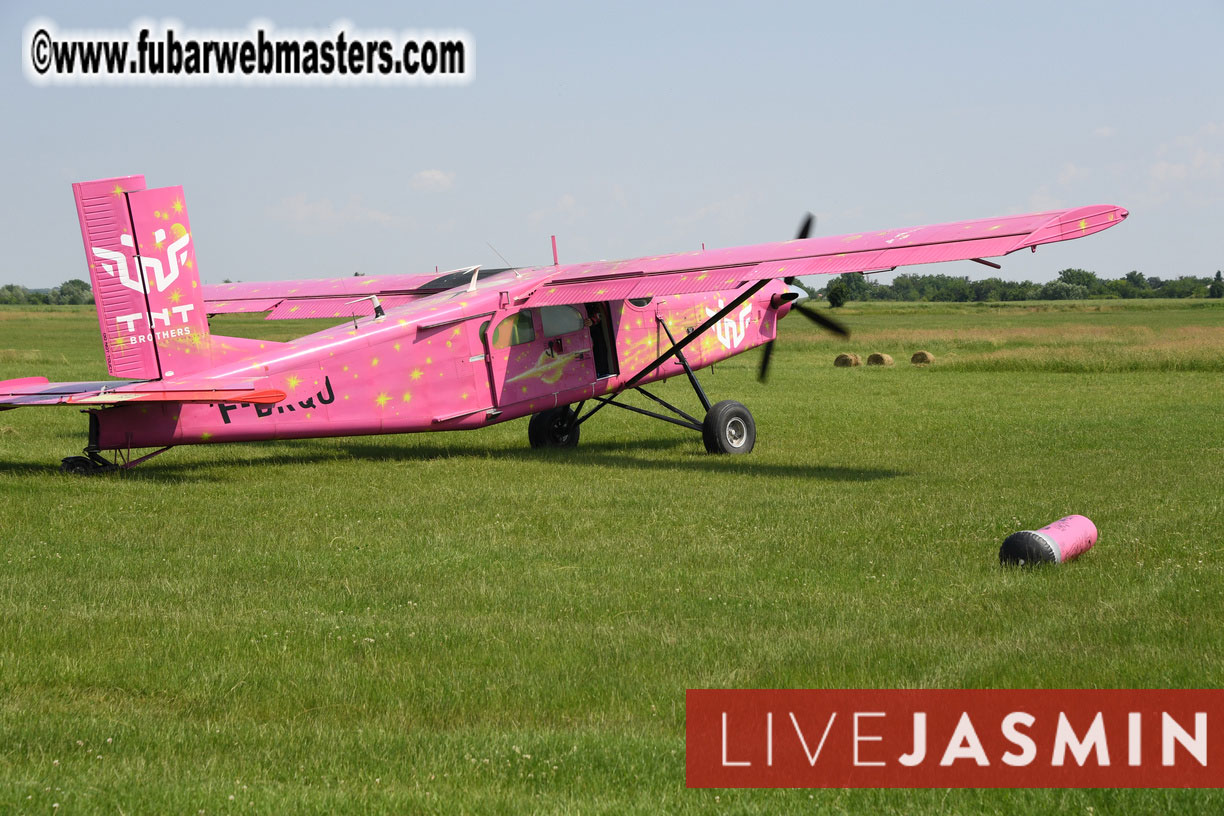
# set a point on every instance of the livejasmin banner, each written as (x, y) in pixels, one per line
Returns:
(945, 738)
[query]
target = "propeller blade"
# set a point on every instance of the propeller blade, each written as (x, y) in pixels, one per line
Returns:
(805, 227)
(820, 320)
(763, 372)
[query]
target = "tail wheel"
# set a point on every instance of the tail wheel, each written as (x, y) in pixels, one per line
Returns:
(85, 466)
(728, 428)
(554, 428)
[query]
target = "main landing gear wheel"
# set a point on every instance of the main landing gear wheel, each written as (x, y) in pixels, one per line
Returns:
(554, 428)
(728, 428)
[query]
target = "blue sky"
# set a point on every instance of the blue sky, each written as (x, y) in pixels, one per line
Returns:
(635, 129)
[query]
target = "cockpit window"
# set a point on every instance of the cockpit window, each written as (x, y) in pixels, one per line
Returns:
(558, 320)
(461, 278)
(514, 330)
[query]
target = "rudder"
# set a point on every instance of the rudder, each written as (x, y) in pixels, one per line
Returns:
(146, 286)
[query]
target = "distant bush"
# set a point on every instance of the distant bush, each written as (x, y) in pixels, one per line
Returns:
(73, 292)
(1061, 290)
(1072, 284)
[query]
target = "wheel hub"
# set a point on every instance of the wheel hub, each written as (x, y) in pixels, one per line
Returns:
(736, 432)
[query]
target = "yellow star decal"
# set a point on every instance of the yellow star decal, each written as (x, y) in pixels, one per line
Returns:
(416, 374)
(176, 296)
(178, 205)
(374, 362)
(292, 382)
(396, 347)
(205, 436)
(463, 395)
(382, 400)
(117, 191)
(407, 397)
(1083, 225)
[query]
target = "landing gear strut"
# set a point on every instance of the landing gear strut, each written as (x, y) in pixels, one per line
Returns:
(728, 426)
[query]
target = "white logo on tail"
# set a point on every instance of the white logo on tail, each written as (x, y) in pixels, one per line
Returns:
(730, 333)
(175, 255)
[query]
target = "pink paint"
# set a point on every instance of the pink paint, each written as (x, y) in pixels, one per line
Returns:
(1060, 541)
(444, 356)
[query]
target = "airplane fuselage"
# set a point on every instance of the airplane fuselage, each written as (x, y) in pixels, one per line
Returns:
(452, 367)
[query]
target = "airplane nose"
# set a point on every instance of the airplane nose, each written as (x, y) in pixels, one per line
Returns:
(782, 302)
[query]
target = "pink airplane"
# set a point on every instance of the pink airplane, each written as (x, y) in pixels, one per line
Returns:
(458, 351)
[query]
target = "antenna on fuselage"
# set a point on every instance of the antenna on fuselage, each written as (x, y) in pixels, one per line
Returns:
(509, 265)
(554, 243)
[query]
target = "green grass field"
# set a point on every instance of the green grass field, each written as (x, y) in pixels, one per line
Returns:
(454, 623)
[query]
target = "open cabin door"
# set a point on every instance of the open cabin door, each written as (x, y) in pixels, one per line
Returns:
(603, 340)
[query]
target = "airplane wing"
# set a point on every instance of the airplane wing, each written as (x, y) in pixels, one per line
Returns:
(331, 297)
(29, 391)
(862, 252)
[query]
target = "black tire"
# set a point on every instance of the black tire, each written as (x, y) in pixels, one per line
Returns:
(728, 428)
(554, 428)
(83, 466)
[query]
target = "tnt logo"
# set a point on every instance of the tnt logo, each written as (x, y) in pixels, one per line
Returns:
(730, 331)
(150, 269)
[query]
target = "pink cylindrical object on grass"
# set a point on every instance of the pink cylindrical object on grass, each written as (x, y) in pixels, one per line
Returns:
(1055, 543)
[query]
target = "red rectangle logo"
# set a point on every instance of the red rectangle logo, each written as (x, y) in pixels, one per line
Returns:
(945, 738)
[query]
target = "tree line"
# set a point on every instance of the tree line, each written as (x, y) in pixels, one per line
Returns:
(1071, 284)
(73, 292)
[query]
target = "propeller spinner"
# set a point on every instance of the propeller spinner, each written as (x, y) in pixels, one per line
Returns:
(805, 229)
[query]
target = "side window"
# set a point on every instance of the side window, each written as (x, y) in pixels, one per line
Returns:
(514, 330)
(558, 320)
(640, 302)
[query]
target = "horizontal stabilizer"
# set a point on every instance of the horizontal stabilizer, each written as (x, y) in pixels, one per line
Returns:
(30, 391)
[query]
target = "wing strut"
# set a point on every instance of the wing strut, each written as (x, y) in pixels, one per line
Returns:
(701, 395)
(678, 347)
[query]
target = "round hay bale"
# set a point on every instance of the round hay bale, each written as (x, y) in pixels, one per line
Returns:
(922, 358)
(876, 358)
(846, 360)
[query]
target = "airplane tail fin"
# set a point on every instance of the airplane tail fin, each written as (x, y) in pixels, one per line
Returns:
(143, 271)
